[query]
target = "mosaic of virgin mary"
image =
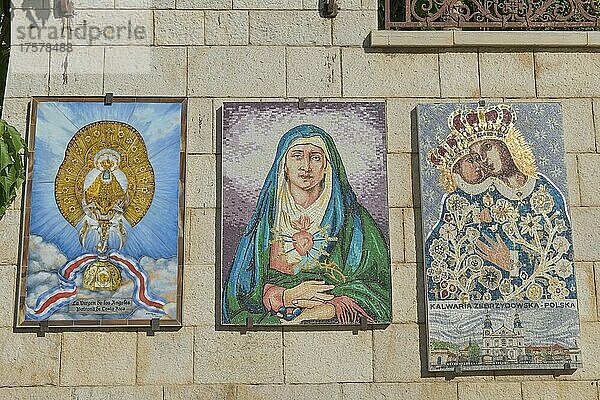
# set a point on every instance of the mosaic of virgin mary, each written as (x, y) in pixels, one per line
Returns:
(311, 253)
(503, 233)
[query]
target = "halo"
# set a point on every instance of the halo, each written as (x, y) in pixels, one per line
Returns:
(118, 142)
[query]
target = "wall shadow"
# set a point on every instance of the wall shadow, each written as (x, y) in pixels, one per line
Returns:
(218, 216)
(21, 239)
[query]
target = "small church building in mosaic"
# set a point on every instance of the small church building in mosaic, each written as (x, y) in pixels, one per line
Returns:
(503, 344)
(506, 345)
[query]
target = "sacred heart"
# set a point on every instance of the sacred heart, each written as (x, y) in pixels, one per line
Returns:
(303, 242)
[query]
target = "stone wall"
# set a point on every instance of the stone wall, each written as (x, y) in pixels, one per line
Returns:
(217, 50)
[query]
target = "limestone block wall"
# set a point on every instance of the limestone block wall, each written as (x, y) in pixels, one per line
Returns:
(218, 50)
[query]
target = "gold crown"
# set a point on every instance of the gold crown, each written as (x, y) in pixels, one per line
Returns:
(468, 126)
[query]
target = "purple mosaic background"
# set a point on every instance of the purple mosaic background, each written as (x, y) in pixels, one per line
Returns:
(251, 132)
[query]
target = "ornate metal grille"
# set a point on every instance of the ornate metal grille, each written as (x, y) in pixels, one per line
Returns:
(492, 14)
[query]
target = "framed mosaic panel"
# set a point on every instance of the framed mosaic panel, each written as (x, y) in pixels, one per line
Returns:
(103, 219)
(499, 269)
(305, 236)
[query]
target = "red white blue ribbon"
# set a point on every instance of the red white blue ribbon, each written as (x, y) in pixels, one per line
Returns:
(66, 292)
(141, 293)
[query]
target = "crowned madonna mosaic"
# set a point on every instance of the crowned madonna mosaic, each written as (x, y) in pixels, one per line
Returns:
(498, 250)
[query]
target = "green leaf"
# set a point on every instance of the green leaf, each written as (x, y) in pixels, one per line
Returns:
(16, 142)
(11, 143)
(5, 187)
(18, 182)
(12, 173)
(5, 157)
(12, 170)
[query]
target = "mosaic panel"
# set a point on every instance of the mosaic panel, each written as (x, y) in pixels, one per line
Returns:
(102, 224)
(305, 214)
(499, 269)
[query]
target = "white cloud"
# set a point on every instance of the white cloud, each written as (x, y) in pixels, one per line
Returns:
(44, 256)
(39, 283)
(42, 275)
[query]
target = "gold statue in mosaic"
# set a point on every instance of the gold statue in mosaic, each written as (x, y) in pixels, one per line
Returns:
(105, 181)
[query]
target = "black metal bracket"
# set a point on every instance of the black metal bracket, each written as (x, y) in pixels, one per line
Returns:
(66, 8)
(301, 103)
(43, 329)
(362, 326)
(154, 327)
(363, 323)
(249, 325)
(329, 8)
(108, 99)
